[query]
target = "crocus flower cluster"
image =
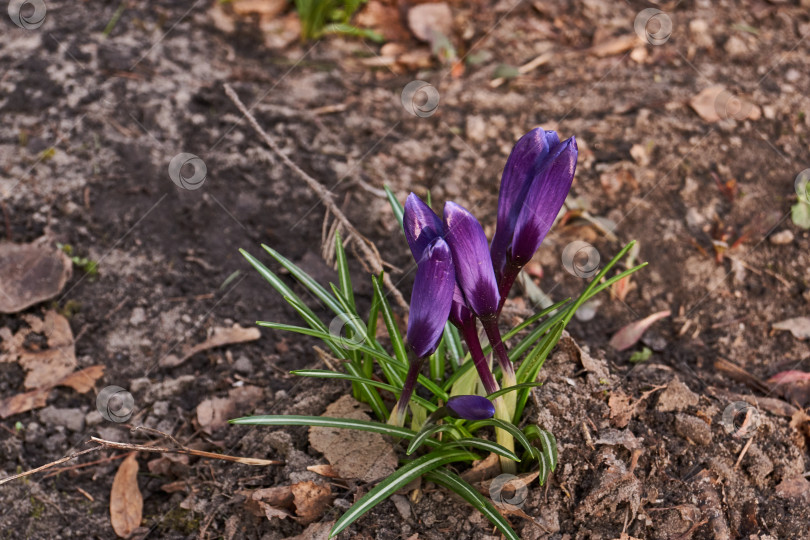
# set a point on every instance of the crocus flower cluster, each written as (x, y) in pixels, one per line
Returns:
(461, 278)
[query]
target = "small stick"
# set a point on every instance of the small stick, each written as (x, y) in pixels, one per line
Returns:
(368, 252)
(744, 450)
(186, 451)
(49, 465)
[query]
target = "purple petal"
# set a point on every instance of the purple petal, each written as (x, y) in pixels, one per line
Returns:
(431, 298)
(471, 407)
(473, 264)
(421, 225)
(524, 163)
(543, 202)
(460, 314)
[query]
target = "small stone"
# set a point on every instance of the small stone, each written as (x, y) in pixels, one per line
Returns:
(699, 30)
(693, 428)
(782, 237)
(93, 418)
(403, 506)
(676, 397)
(34, 433)
(476, 128)
(736, 46)
(73, 419)
(160, 408)
(243, 365)
(138, 316)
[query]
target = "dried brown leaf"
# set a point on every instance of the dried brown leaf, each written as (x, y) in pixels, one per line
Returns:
(311, 500)
(798, 326)
(31, 273)
(21, 403)
(83, 380)
(213, 413)
(630, 334)
(219, 337)
(126, 501)
(614, 46)
(353, 454)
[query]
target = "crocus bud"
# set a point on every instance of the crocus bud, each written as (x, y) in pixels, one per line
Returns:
(473, 264)
(470, 407)
(536, 180)
(431, 298)
(525, 161)
(421, 225)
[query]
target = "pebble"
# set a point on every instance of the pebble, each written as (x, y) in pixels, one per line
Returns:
(736, 46)
(93, 418)
(243, 365)
(676, 397)
(73, 419)
(138, 316)
(782, 237)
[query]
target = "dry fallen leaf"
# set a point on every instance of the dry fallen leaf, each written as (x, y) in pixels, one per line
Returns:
(219, 337)
(614, 46)
(214, 413)
(126, 501)
(31, 273)
(796, 487)
(44, 367)
(489, 467)
(793, 385)
(311, 500)
(353, 454)
(630, 334)
(83, 380)
(798, 326)
(265, 8)
(21, 403)
(323, 470)
(716, 103)
(317, 531)
(429, 22)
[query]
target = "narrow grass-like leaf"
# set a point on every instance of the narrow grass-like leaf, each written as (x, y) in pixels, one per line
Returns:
(368, 363)
(436, 362)
(274, 280)
(343, 273)
(426, 433)
(547, 441)
(452, 342)
(390, 323)
(395, 481)
(396, 207)
(305, 280)
(325, 374)
(454, 483)
(506, 426)
(483, 444)
(325, 421)
(515, 388)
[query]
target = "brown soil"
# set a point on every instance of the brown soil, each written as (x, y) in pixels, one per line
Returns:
(117, 109)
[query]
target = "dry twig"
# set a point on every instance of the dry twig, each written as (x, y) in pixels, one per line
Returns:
(369, 255)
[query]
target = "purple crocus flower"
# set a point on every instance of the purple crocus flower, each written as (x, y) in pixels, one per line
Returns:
(470, 407)
(474, 272)
(432, 293)
(535, 182)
